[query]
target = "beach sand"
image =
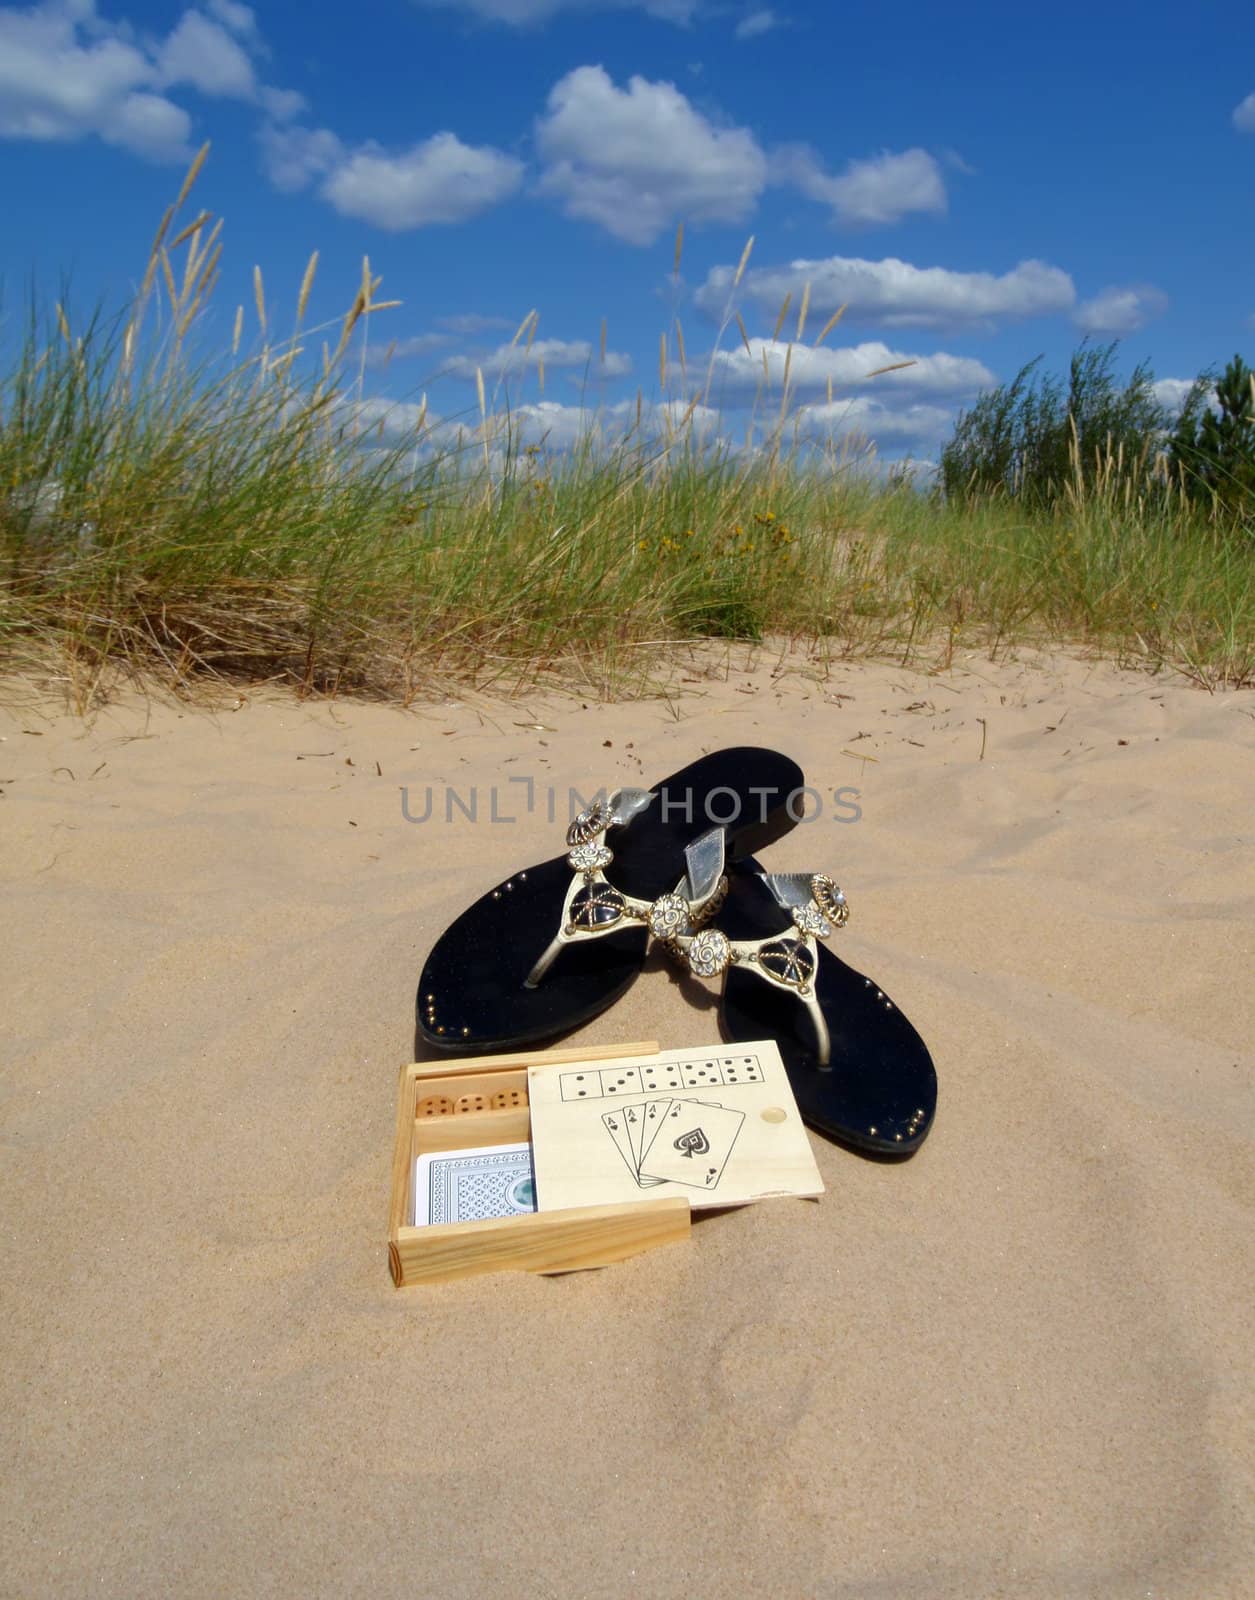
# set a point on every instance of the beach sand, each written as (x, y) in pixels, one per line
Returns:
(1018, 1364)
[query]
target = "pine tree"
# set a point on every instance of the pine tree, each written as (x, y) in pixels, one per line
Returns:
(1213, 447)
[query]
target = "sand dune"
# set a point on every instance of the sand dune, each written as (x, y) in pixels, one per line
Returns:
(1017, 1365)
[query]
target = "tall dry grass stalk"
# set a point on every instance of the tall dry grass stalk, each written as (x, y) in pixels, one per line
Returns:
(256, 515)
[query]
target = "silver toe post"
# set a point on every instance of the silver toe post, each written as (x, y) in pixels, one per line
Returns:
(594, 907)
(788, 961)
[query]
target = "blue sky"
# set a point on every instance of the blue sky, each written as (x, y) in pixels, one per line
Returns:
(977, 185)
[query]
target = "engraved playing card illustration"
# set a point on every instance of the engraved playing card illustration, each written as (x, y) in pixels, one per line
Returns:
(693, 1144)
(617, 1129)
(627, 1126)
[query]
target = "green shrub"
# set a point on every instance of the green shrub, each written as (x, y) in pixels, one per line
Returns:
(1035, 440)
(192, 514)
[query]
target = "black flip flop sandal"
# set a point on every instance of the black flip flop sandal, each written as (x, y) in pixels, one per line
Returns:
(553, 945)
(858, 1069)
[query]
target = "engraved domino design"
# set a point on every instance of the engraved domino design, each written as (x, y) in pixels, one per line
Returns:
(709, 1072)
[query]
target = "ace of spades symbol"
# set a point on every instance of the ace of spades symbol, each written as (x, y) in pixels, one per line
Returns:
(693, 1144)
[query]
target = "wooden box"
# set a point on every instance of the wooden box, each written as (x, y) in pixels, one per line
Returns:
(482, 1100)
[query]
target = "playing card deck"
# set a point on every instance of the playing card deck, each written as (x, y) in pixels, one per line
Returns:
(471, 1185)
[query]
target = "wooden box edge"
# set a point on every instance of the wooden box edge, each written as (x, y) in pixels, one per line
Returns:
(545, 1241)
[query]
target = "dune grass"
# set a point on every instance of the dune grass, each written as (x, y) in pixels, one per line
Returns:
(253, 516)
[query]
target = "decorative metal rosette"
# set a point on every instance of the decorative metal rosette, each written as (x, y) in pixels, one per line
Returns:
(590, 857)
(669, 917)
(828, 897)
(810, 919)
(589, 823)
(788, 962)
(709, 952)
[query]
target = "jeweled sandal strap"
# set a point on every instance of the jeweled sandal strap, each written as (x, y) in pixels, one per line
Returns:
(786, 961)
(594, 907)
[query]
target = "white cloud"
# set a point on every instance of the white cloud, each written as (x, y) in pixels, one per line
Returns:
(636, 160)
(554, 353)
(294, 157)
(896, 294)
(896, 423)
(668, 415)
(756, 24)
(66, 74)
(1244, 115)
(149, 125)
(881, 189)
(281, 104)
(56, 84)
(907, 424)
(522, 13)
(953, 159)
(391, 422)
(420, 344)
(1172, 394)
(741, 371)
(1120, 311)
(440, 180)
(203, 54)
(239, 18)
(471, 323)
(561, 426)
(922, 426)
